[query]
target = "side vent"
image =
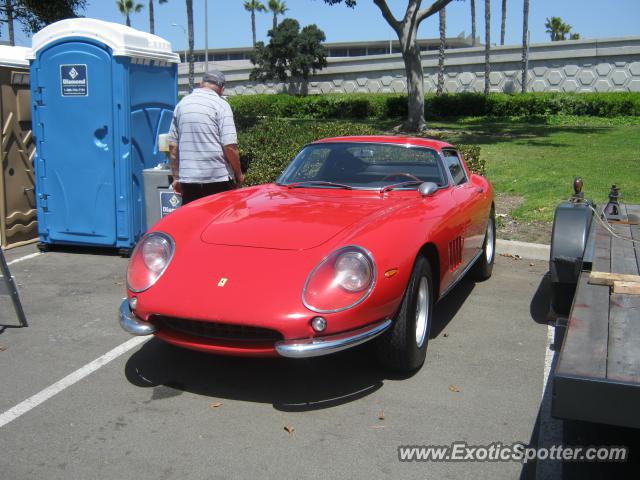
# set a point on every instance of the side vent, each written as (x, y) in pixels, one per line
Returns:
(455, 253)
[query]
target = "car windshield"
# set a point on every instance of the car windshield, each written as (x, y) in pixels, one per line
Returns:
(360, 165)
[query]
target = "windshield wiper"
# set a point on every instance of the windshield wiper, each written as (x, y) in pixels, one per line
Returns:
(393, 186)
(319, 183)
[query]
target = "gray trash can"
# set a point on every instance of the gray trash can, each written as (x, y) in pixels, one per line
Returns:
(160, 199)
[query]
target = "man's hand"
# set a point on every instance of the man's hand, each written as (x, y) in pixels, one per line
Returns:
(233, 157)
(176, 187)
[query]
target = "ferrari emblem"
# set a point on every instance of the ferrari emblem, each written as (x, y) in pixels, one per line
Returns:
(222, 282)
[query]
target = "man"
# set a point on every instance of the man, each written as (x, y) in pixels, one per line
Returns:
(203, 144)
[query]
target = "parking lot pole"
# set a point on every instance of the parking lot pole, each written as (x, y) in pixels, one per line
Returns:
(8, 287)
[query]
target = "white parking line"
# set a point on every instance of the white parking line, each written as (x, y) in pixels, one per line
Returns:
(40, 397)
(26, 257)
(548, 357)
(550, 429)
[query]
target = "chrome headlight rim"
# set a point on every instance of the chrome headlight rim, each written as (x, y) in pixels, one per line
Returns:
(365, 293)
(136, 251)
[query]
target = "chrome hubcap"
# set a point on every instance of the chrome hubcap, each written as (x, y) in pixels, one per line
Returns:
(422, 311)
(490, 242)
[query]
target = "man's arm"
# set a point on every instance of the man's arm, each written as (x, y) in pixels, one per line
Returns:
(174, 154)
(233, 157)
(174, 163)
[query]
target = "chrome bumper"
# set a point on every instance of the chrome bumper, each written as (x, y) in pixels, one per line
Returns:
(314, 347)
(130, 323)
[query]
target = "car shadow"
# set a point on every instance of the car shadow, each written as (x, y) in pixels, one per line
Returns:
(289, 385)
(447, 308)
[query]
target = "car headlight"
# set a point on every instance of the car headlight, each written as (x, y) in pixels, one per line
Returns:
(340, 281)
(149, 260)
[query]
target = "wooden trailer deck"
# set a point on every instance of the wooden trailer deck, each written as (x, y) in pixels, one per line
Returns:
(597, 376)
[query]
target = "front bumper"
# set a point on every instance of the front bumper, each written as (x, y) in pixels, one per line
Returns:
(131, 324)
(317, 346)
(298, 348)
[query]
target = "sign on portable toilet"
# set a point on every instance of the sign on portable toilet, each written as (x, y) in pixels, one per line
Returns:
(18, 223)
(102, 92)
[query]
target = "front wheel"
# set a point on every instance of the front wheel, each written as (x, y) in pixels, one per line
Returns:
(483, 268)
(404, 346)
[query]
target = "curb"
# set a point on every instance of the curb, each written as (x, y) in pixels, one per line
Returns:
(531, 251)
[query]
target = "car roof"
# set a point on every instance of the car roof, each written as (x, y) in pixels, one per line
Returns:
(395, 139)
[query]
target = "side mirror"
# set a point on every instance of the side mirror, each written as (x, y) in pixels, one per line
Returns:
(427, 188)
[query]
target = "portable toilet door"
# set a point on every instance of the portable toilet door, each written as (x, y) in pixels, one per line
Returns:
(18, 221)
(89, 190)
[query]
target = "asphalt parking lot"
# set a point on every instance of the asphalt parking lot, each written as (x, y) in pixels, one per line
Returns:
(142, 409)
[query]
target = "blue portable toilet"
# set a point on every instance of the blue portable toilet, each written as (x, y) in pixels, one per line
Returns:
(101, 95)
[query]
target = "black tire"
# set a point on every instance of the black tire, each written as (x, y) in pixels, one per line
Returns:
(399, 348)
(43, 247)
(483, 268)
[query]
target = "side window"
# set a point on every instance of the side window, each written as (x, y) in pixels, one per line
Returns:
(454, 164)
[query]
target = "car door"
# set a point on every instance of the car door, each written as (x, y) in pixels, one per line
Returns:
(466, 196)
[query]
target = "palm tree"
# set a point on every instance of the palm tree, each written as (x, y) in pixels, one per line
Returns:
(8, 5)
(504, 21)
(487, 44)
(151, 17)
(557, 29)
(190, 30)
(442, 14)
(254, 6)
(473, 21)
(128, 6)
(277, 8)
(525, 45)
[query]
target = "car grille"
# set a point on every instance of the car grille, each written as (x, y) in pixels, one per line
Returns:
(217, 331)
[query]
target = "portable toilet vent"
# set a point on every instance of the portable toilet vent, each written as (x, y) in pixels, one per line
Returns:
(18, 223)
(102, 93)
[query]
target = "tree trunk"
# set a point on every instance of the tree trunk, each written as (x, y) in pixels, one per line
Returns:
(487, 44)
(504, 21)
(275, 20)
(407, 29)
(151, 19)
(190, 30)
(473, 21)
(253, 26)
(9, 8)
(128, 20)
(415, 80)
(525, 45)
(442, 14)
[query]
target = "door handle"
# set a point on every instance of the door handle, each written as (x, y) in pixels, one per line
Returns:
(479, 189)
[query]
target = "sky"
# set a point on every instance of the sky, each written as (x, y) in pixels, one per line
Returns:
(230, 24)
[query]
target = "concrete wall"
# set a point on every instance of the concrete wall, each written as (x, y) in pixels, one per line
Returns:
(604, 65)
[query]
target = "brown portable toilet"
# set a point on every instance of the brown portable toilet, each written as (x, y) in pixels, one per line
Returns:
(18, 223)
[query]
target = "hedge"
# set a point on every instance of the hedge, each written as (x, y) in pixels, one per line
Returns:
(248, 108)
(268, 147)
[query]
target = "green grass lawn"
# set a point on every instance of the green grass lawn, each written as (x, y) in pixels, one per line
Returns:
(537, 159)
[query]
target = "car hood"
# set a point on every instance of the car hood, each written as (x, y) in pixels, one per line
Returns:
(297, 219)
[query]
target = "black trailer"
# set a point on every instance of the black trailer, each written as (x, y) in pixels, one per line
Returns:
(597, 375)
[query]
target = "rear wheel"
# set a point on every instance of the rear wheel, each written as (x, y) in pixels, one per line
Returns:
(483, 268)
(404, 346)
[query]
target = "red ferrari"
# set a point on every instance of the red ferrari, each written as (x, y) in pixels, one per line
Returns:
(355, 241)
